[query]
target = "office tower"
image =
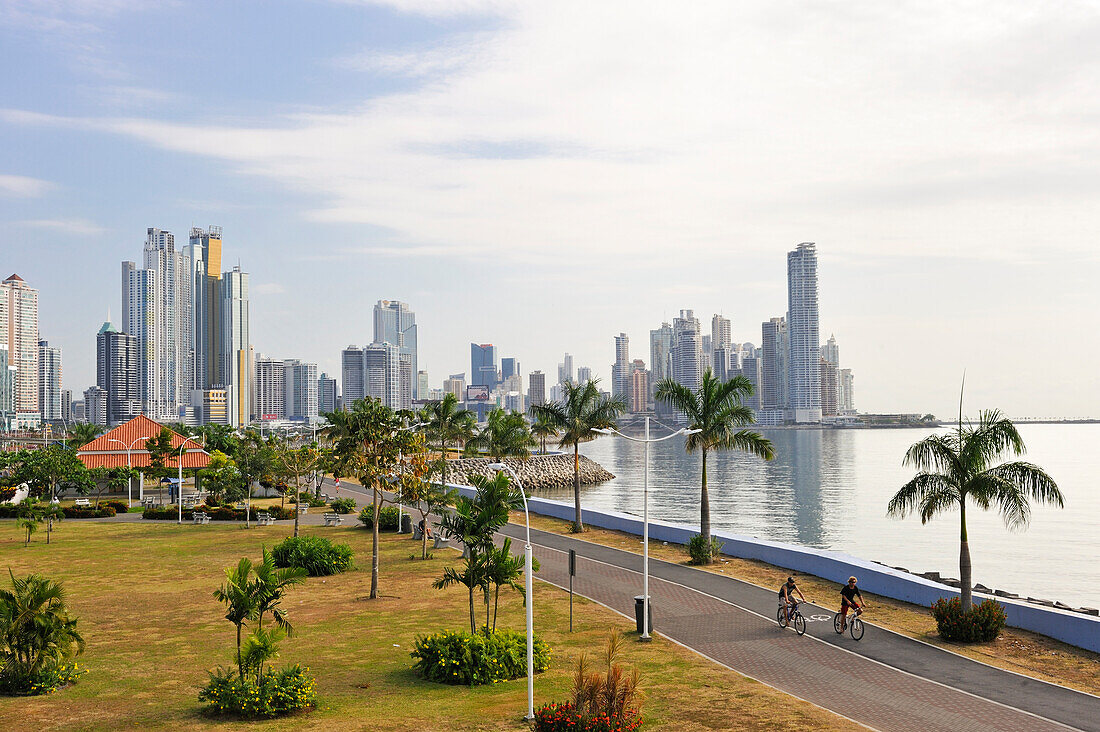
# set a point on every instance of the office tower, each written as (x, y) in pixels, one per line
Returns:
(830, 351)
(352, 373)
(660, 354)
(95, 406)
(707, 352)
(687, 350)
(536, 389)
(117, 374)
(212, 406)
(395, 324)
(67, 406)
(513, 401)
(235, 359)
(203, 257)
(456, 385)
(720, 332)
(829, 386)
(406, 383)
(301, 400)
(565, 369)
(270, 388)
(720, 363)
(751, 368)
(509, 367)
(483, 365)
(326, 393)
(19, 332)
(639, 387)
(846, 389)
(49, 382)
(584, 374)
(78, 411)
(804, 392)
(772, 342)
(620, 370)
(382, 373)
(7, 390)
(422, 385)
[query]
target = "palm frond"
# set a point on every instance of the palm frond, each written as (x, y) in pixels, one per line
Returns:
(923, 491)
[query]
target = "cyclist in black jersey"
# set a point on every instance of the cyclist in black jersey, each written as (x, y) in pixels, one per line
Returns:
(850, 597)
(786, 595)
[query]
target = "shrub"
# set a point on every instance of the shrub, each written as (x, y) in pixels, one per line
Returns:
(452, 657)
(387, 518)
(310, 500)
(315, 554)
(342, 505)
(119, 506)
(982, 624)
(277, 512)
(697, 549)
(278, 693)
(50, 678)
(601, 702)
(71, 512)
(565, 718)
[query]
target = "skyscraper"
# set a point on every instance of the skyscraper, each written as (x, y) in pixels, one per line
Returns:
(67, 406)
(203, 257)
(95, 406)
(508, 367)
(772, 340)
(455, 384)
(395, 324)
(584, 374)
(423, 386)
(235, 367)
(536, 389)
(620, 370)
(7, 390)
(326, 393)
(639, 387)
(829, 388)
(660, 354)
(846, 389)
(565, 369)
(352, 373)
(687, 350)
(270, 388)
(802, 331)
(117, 374)
(483, 365)
(382, 373)
(19, 332)
(751, 370)
(49, 381)
(300, 379)
(720, 332)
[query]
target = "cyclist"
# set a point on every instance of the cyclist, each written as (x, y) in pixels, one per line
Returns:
(848, 595)
(786, 595)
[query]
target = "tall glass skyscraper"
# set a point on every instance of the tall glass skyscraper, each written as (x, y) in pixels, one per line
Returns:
(804, 366)
(395, 324)
(483, 365)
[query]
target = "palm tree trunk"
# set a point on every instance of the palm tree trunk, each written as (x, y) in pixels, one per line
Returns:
(486, 608)
(297, 513)
(578, 525)
(704, 510)
(443, 475)
(496, 604)
(424, 536)
(966, 583)
(240, 665)
(374, 546)
(473, 623)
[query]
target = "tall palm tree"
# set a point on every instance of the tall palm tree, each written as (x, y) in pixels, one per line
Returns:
(449, 424)
(541, 429)
(81, 433)
(576, 417)
(240, 601)
(715, 409)
(36, 631)
(966, 463)
(504, 435)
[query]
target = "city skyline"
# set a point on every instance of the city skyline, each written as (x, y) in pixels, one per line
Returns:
(935, 234)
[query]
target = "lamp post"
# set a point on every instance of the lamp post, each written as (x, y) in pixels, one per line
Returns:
(179, 486)
(645, 510)
(129, 479)
(529, 592)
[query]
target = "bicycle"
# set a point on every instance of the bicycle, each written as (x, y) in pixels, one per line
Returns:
(855, 624)
(791, 615)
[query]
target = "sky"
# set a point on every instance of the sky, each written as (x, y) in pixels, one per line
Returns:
(543, 176)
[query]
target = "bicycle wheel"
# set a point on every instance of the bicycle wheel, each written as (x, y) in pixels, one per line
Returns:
(799, 623)
(856, 628)
(781, 616)
(838, 621)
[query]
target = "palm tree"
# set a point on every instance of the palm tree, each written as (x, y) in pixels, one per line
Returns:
(541, 429)
(36, 631)
(449, 424)
(270, 585)
(576, 417)
(504, 435)
(240, 601)
(504, 569)
(82, 433)
(716, 411)
(966, 464)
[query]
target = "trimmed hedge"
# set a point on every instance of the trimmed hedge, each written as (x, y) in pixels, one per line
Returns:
(315, 554)
(71, 512)
(216, 513)
(119, 506)
(451, 657)
(981, 624)
(387, 518)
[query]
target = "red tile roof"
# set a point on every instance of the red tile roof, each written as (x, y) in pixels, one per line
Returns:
(106, 450)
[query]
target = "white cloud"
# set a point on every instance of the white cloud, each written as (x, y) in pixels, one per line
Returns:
(22, 186)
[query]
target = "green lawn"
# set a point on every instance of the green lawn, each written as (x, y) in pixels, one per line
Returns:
(142, 592)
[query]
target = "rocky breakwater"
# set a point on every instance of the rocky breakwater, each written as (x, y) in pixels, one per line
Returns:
(538, 471)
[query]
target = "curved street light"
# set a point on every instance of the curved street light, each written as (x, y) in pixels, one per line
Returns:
(130, 479)
(645, 509)
(529, 592)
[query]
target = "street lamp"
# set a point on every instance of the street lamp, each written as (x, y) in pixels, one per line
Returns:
(129, 479)
(179, 486)
(645, 510)
(530, 596)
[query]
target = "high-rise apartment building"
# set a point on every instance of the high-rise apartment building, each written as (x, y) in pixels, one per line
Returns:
(203, 259)
(565, 369)
(483, 365)
(300, 379)
(382, 373)
(67, 406)
(455, 384)
(7, 390)
(327, 393)
(584, 374)
(352, 374)
(829, 388)
(536, 389)
(620, 370)
(270, 388)
(639, 387)
(395, 324)
(660, 354)
(19, 332)
(846, 392)
(117, 374)
(720, 332)
(95, 406)
(831, 351)
(720, 363)
(804, 392)
(235, 368)
(687, 350)
(751, 369)
(423, 386)
(509, 367)
(773, 369)
(49, 381)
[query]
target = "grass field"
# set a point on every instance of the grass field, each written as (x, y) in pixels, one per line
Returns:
(142, 592)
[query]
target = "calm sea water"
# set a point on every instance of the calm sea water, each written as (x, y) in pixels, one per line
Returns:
(829, 489)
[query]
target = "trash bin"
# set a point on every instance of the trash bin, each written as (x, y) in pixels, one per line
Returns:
(406, 523)
(639, 609)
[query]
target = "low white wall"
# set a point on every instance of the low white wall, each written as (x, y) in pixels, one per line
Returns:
(1076, 629)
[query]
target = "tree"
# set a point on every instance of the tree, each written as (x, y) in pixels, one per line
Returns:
(541, 429)
(449, 424)
(269, 588)
(36, 630)
(30, 515)
(966, 464)
(44, 470)
(254, 458)
(240, 601)
(294, 464)
(415, 488)
(503, 569)
(82, 433)
(716, 410)
(504, 435)
(222, 479)
(160, 449)
(221, 437)
(576, 417)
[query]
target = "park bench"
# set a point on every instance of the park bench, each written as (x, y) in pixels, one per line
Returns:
(264, 519)
(325, 498)
(333, 519)
(440, 542)
(189, 501)
(200, 517)
(82, 503)
(303, 508)
(148, 502)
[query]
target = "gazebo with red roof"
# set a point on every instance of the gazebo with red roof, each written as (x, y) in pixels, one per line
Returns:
(109, 449)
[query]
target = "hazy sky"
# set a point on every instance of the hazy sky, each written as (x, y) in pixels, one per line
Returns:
(544, 175)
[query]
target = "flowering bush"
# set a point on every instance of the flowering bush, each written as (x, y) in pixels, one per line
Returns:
(315, 554)
(564, 717)
(981, 624)
(50, 678)
(484, 658)
(277, 693)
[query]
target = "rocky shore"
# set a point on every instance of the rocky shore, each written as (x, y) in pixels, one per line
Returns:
(539, 471)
